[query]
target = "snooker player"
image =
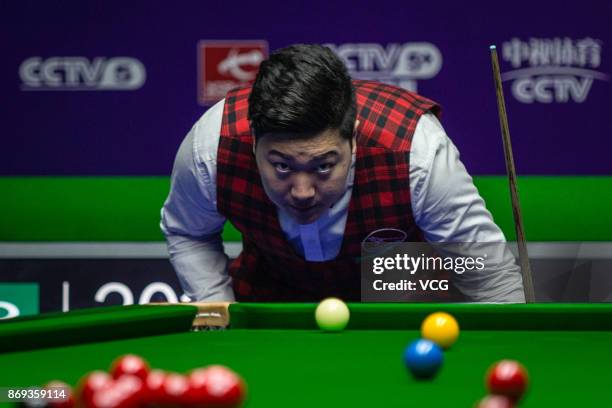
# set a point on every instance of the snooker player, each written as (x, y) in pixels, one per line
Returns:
(308, 164)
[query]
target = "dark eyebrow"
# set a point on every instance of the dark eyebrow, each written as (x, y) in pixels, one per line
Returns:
(284, 156)
(331, 153)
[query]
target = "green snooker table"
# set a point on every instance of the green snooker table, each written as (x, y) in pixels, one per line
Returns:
(287, 362)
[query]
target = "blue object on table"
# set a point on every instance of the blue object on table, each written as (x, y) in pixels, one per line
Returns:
(423, 358)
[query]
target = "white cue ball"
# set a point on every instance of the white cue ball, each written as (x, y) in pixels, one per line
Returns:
(332, 314)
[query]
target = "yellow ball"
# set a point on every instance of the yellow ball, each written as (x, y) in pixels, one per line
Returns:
(441, 328)
(332, 314)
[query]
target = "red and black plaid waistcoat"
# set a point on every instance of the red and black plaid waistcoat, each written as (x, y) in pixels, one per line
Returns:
(269, 269)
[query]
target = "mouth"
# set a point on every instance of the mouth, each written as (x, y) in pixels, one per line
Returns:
(303, 210)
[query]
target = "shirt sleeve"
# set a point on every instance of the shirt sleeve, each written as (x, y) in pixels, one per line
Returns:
(189, 217)
(448, 209)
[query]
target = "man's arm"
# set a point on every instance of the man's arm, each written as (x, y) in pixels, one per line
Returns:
(448, 209)
(189, 218)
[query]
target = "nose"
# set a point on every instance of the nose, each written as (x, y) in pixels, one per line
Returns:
(302, 189)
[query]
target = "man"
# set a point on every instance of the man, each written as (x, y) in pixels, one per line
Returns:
(307, 164)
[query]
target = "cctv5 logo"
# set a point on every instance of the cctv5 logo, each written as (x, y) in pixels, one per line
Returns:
(549, 70)
(397, 64)
(82, 74)
(233, 64)
(224, 65)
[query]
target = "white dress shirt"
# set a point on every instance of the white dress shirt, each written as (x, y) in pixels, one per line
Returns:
(445, 203)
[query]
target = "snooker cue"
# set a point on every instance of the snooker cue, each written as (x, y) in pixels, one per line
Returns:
(512, 179)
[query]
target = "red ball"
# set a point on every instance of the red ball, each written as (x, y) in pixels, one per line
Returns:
(508, 378)
(112, 397)
(130, 364)
(495, 401)
(175, 389)
(154, 386)
(217, 386)
(197, 393)
(90, 383)
(132, 389)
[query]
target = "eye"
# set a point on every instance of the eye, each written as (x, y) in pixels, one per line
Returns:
(281, 167)
(325, 168)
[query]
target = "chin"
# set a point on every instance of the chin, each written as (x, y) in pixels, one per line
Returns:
(308, 220)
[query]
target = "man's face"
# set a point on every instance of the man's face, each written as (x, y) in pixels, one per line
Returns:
(304, 176)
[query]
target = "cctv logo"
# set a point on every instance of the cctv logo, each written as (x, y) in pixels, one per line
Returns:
(396, 64)
(549, 70)
(82, 74)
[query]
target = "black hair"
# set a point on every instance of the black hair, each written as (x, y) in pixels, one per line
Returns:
(303, 89)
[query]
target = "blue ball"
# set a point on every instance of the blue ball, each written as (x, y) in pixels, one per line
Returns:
(423, 358)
